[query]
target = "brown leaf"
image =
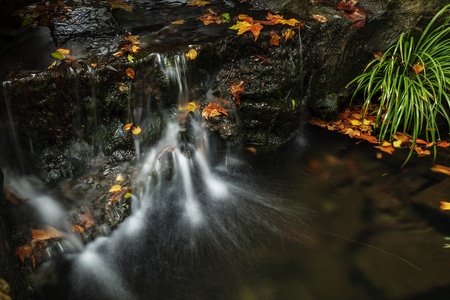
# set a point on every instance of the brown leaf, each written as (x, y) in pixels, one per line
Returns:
(86, 220)
(274, 39)
(236, 90)
(388, 149)
(198, 3)
(130, 73)
(24, 251)
(441, 169)
(213, 109)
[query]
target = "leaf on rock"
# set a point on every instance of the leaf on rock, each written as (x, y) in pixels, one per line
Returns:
(236, 90)
(179, 22)
(127, 126)
(198, 3)
(136, 130)
(288, 34)
(213, 109)
(274, 39)
(115, 188)
(388, 149)
(45, 234)
(58, 55)
(320, 18)
(86, 220)
(130, 73)
(191, 54)
(63, 51)
(444, 205)
(192, 106)
(24, 251)
(443, 144)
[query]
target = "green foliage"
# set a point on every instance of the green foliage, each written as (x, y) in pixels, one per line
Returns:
(411, 83)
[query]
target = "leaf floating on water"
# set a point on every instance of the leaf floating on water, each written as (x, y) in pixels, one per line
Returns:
(130, 73)
(192, 54)
(213, 109)
(198, 3)
(136, 130)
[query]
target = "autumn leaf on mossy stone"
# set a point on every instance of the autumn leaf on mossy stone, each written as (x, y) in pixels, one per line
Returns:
(198, 3)
(213, 109)
(244, 26)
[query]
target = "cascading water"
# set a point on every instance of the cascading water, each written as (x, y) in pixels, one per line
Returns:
(192, 231)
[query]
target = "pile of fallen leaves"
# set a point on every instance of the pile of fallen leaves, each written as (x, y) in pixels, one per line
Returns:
(354, 123)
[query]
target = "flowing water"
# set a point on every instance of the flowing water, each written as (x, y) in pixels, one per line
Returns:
(322, 218)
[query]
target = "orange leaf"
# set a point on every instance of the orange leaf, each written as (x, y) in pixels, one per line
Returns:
(418, 68)
(236, 90)
(441, 169)
(23, 252)
(213, 109)
(320, 18)
(45, 234)
(127, 126)
(256, 29)
(130, 72)
(63, 51)
(246, 18)
(180, 22)
(388, 149)
(191, 54)
(77, 228)
(421, 152)
(274, 39)
(443, 144)
(198, 3)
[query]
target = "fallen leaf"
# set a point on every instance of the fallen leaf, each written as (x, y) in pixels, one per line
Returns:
(127, 126)
(179, 22)
(63, 51)
(130, 73)
(251, 149)
(136, 130)
(388, 149)
(418, 68)
(192, 106)
(441, 169)
(45, 234)
(288, 34)
(198, 3)
(236, 90)
(192, 54)
(213, 109)
(115, 188)
(77, 228)
(444, 205)
(86, 220)
(421, 152)
(116, 4)
(320, 18)
(443, 144)
(274, 39)
(58, 55)
(24, 251)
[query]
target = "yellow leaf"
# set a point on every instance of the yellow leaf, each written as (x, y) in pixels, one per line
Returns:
(444, 205)
(178, 22)
(128, 195)
(115, 188)
(192, 54)
(397, 144)
(135, 49)
(355, 122)
(288, 34)
(130, 59)
(119, 178)
(52, 65)
(441, 169)
(127, 126)
(241, 26)
(290, 22)
(192, 106)
(136, 130)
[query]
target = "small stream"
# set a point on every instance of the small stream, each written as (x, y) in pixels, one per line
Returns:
(321, 218)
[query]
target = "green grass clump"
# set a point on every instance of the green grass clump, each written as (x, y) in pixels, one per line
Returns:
(410, 82)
